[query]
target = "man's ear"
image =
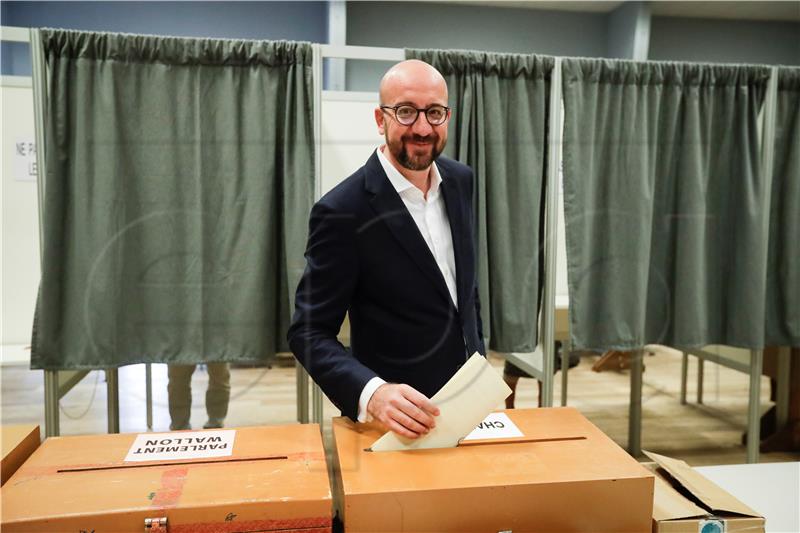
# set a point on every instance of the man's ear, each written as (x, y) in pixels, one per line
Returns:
(379, 120)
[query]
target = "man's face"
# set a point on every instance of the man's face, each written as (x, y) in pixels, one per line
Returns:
(416, 146)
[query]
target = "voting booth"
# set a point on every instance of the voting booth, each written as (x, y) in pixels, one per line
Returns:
(531, 470)
(243, 480)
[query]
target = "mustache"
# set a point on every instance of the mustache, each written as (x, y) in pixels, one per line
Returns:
(421, 138)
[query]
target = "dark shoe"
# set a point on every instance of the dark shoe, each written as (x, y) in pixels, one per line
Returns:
(214, 423)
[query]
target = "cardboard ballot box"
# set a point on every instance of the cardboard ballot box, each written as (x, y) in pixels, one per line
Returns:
(563, 474)
(243, 480)
(19, 442)
(687, 502)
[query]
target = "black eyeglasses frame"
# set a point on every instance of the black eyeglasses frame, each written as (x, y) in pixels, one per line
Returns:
(418, 110)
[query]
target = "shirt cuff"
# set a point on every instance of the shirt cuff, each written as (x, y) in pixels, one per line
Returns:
(366, 395)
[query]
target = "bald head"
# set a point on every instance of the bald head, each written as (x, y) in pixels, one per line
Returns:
(413, 76)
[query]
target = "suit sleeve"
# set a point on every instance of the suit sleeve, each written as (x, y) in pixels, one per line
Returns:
(322, 299)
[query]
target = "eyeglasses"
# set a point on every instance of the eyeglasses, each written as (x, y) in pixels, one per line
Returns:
(407, 114)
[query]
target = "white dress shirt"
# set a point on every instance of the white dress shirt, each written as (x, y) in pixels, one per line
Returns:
(430, 216)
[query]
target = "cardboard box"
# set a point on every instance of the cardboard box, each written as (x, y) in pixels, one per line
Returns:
(685, 501)
(19, 442)
(564, 474)
(275, 479)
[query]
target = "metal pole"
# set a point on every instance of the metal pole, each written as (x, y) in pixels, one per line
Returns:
(551, 206)
(316, 58)
(148, 388)
(782, 394)
(316, 404)
(302, 393)
(684, 376)
(566, 349)
(363, 53)
(39, 79)
(337, 35)
(756, 357)
(302, 375)
(51, 415)
(701, 364)
(635, 411)
(754, 407)
(112, 401)
(316, 393)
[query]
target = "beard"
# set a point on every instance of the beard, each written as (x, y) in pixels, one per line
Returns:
(416, 158)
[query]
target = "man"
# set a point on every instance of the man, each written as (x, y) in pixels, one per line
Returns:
(179, 390)
(393, 246)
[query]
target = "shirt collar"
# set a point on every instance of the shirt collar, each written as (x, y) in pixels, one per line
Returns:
(400, 183)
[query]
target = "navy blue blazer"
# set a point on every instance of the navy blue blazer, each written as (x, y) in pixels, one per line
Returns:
(366, 256)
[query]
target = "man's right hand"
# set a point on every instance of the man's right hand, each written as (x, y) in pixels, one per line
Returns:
(403, 409)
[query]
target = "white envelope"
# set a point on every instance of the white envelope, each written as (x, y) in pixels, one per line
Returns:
(464, 401)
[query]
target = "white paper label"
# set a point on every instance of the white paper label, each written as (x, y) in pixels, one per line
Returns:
(183, 445)
(25, 159)
(495, 426)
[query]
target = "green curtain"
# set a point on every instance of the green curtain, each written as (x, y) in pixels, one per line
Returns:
(783, 275)
(499, 128)
(665, 204)
(179, 181)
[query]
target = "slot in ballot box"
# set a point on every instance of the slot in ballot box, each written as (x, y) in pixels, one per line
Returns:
(562, 474)
(18, 442)
(238, 480)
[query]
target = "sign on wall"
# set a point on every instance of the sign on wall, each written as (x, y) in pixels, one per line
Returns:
(24, 159)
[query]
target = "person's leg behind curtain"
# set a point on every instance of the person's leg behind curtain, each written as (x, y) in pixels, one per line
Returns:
(218, 394)
(179, 391)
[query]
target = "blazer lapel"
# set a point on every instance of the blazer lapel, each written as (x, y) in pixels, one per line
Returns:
(390, 209)
(455, 214)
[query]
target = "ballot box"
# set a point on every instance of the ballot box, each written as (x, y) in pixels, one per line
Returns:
(19, 442)
(230, 480)
(561, 473)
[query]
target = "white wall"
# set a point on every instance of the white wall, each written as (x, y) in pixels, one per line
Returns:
(349, 134)
(19, 254)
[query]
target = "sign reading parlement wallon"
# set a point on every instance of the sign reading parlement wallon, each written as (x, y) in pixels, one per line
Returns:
(182, 445)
